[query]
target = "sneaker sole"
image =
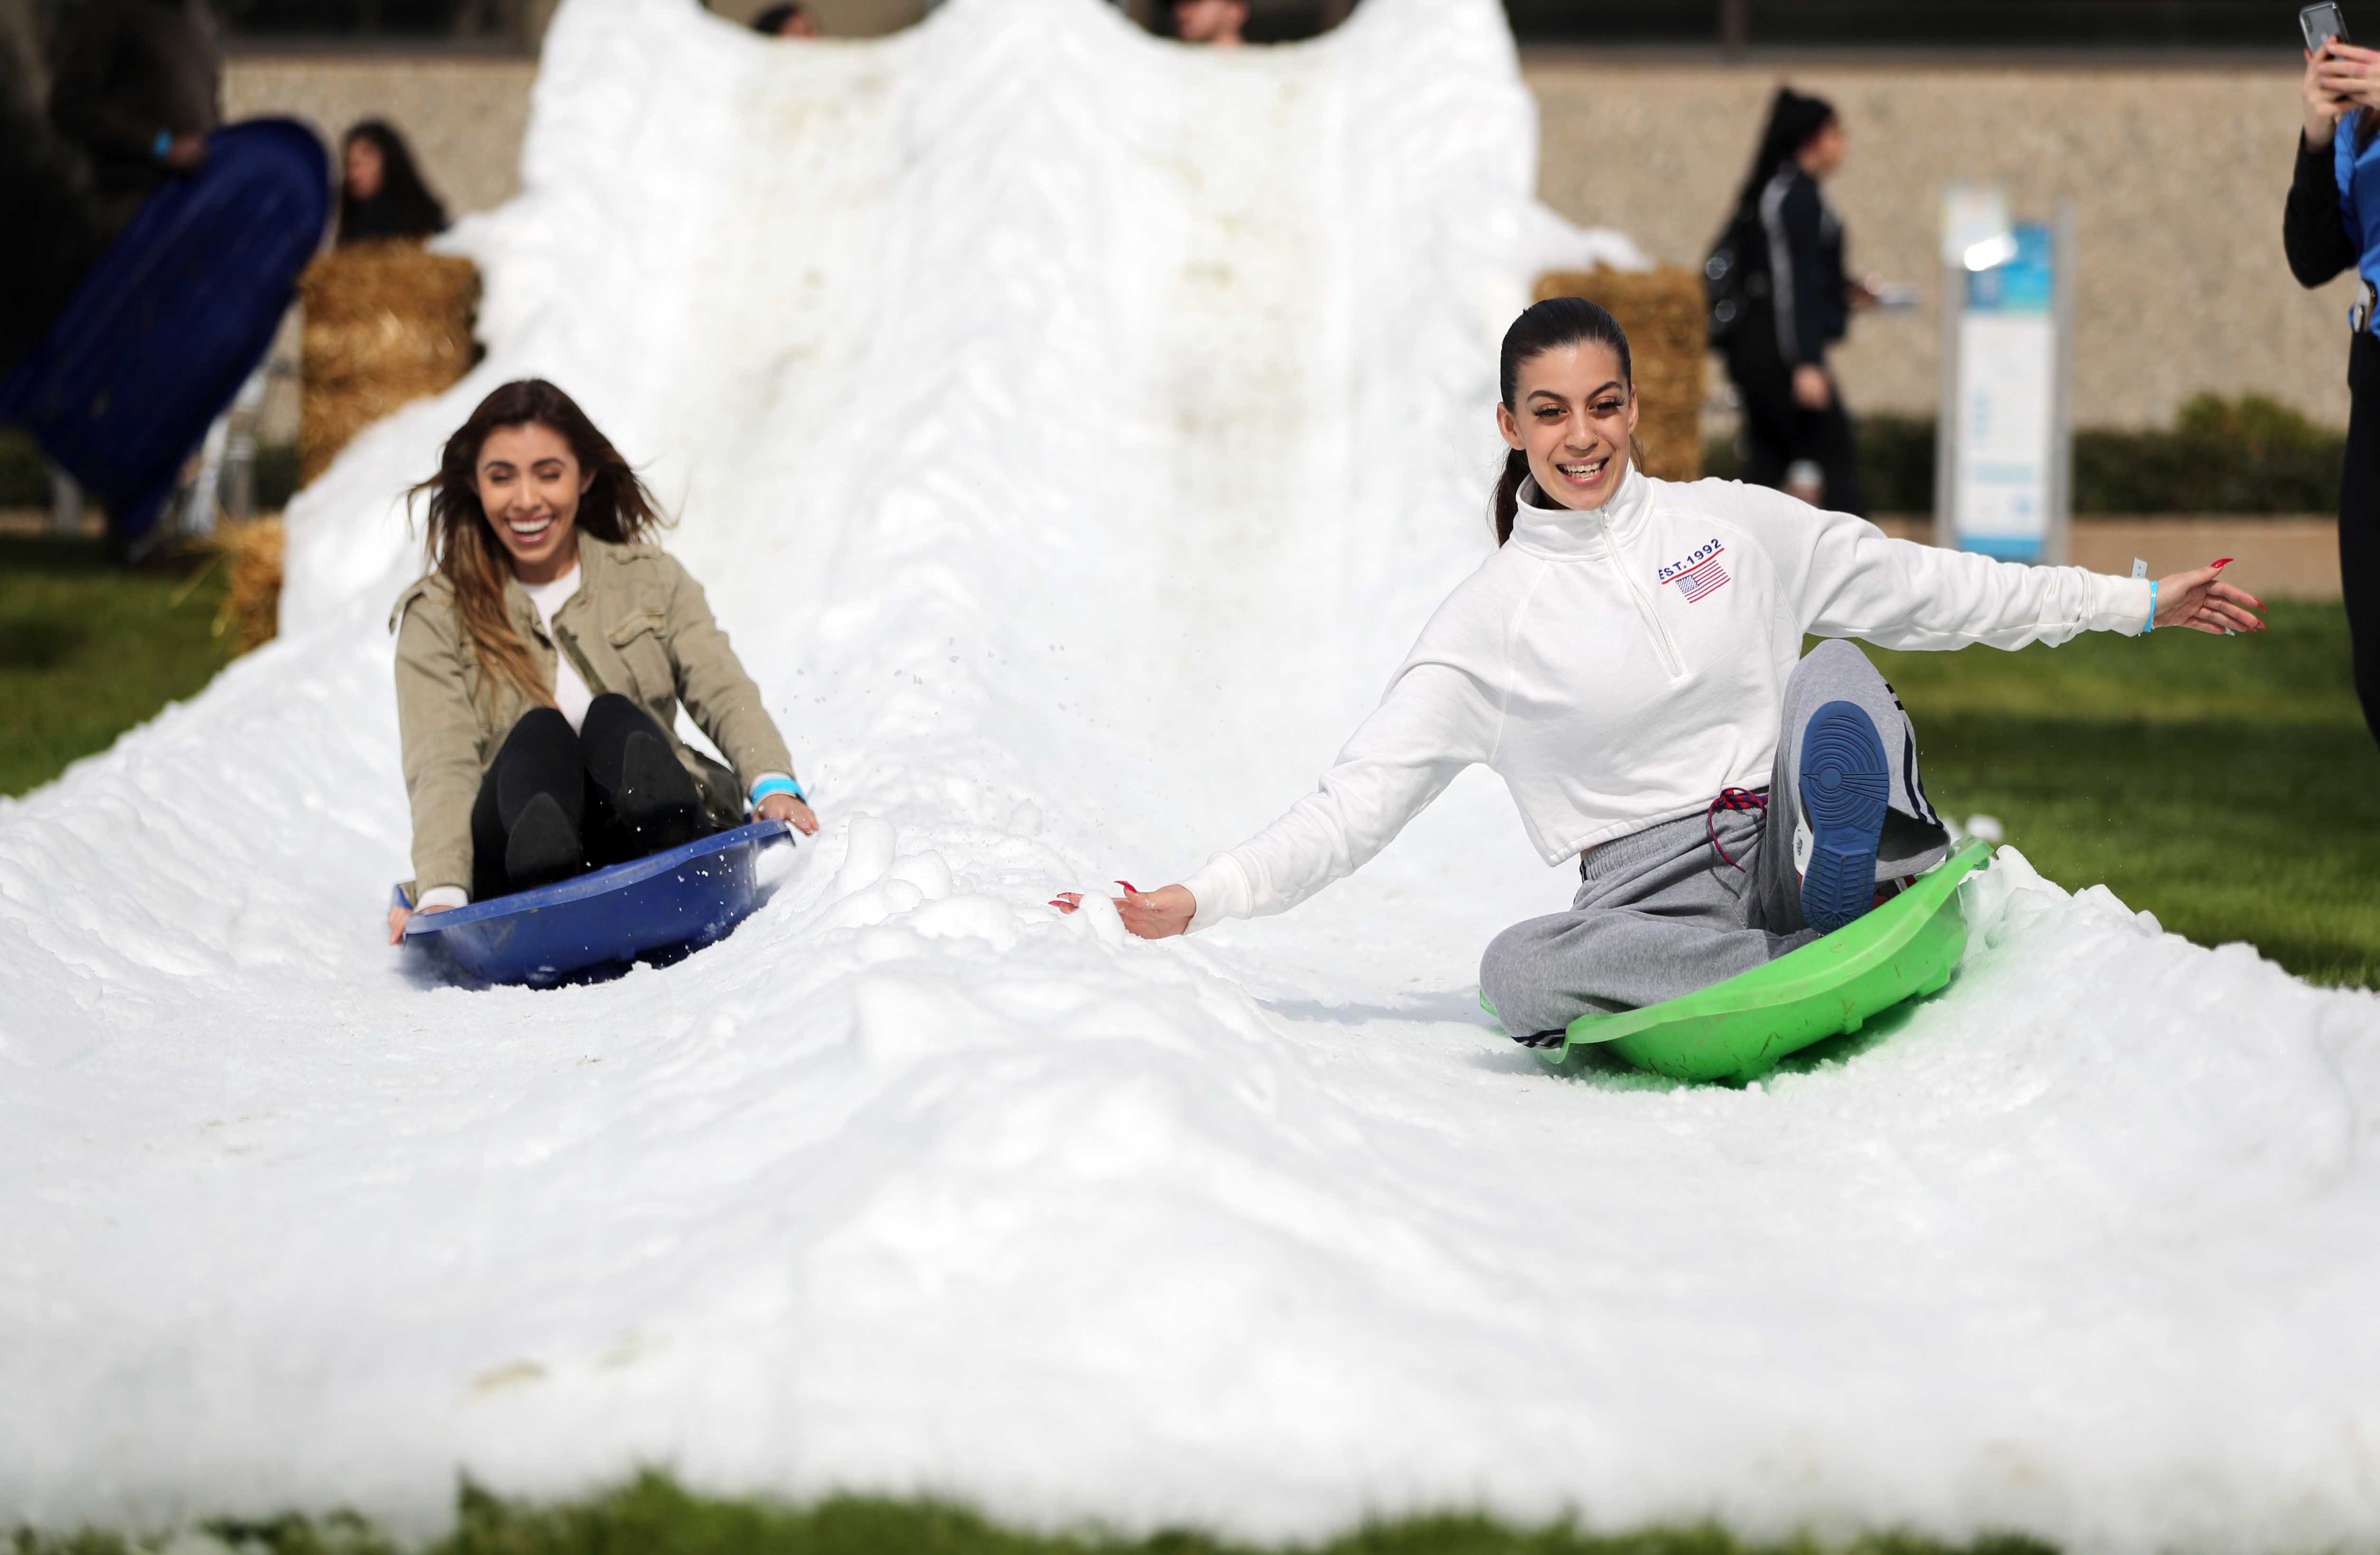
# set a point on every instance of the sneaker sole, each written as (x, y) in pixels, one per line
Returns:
(1845, 789)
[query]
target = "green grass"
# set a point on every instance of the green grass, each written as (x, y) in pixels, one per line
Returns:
(87, 650)
(651, 1516)
(2227, 785)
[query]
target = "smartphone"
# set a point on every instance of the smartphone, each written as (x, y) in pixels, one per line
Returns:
(2321, 24)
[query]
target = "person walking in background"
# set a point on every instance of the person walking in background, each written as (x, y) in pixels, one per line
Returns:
(2331, 223)
(382, 196)
(787, 21)
(1785, 247)
(138, 88)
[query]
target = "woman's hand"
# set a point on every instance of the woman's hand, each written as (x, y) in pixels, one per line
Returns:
(784, 806)
(1152, 915)
(2203, 603)
(1810, 388)
(398, 918)
(2341, 79)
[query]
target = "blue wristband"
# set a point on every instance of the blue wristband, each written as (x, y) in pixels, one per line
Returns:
(2152, 626)
(160, 146)
(767, 786)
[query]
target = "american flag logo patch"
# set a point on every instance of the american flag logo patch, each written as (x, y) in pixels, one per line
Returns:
(1702, 575)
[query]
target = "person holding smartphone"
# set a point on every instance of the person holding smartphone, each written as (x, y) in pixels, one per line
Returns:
(2331, 223)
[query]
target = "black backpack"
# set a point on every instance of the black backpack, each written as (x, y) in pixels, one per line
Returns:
(1735, 275)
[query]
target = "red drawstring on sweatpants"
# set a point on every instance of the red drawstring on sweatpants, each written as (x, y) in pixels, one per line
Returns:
(1732, 799)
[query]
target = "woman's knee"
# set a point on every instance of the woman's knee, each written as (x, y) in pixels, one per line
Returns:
(613, 711)
(539, 723)
(1507, 965)
(537, 735)
(1837, 656)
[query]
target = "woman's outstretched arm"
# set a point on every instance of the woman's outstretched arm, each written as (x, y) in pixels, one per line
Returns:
(2201, 601)
(1152, 915)
(1435, 721)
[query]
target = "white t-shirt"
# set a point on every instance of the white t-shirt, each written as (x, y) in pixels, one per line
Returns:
(570, 693)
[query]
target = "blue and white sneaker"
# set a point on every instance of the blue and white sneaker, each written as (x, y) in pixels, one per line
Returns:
(1845, 789)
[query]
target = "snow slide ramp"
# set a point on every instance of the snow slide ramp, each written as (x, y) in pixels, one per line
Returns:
(1072, 431)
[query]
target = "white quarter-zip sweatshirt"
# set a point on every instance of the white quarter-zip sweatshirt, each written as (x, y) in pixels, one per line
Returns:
(1619, 667)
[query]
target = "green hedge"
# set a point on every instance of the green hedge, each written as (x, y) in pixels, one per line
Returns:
(2250, 454)
(24, 479)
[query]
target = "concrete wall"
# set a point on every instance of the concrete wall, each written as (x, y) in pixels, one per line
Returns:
(464, 117)
(2178, 175)
(839, 18)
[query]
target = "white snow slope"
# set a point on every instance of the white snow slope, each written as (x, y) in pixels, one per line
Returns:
(1072, 431)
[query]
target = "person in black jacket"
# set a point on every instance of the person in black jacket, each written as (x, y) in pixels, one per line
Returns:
(1796, 435)
(382, 196)
(2331, 223)
(138, 88)
(56, 234)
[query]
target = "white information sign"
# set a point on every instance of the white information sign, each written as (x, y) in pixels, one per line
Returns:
(2001, 483)
(2008, 389)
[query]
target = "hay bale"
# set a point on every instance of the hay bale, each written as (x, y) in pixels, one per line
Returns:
(1662, 312)
(251, 615)
(387, 323)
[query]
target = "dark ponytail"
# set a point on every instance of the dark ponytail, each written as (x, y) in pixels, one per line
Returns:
(1794, 120)
(1548, 326)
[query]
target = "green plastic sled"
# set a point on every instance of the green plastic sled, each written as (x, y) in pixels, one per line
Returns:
(1739, 1029)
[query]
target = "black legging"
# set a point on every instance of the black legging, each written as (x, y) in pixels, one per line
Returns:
(2358, 524)
(1778, 431)
(555, 803)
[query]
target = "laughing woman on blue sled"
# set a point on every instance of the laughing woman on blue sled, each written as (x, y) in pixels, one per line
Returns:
(540, 666)
(1630, 662)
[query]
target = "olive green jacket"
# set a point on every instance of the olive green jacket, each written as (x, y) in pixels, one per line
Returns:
(638, 626)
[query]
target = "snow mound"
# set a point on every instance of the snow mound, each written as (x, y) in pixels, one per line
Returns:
(1074, 430)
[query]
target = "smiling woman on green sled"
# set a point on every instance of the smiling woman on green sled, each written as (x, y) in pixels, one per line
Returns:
(1629, 661)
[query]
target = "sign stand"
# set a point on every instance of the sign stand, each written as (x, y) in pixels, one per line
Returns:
(2004, 459)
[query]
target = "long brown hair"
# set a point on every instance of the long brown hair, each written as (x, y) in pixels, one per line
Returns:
(1547, 326)
(464, 548)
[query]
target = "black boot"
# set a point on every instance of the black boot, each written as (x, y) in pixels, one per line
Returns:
(656, 801)
(542, 847)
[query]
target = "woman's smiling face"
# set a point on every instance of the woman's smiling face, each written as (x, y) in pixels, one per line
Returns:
(529, 486)
(1573, 415)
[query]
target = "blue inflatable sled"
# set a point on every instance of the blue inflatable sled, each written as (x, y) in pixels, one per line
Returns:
(159, 338)
(659, 908)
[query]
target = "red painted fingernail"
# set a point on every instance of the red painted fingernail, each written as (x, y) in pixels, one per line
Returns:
(2221, 564)
(1130, 887)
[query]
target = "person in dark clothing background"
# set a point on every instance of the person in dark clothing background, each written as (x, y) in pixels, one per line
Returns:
(382, 196)
(2331, 223)
(138, 87)
(1798, 299)
(54, 232)
(787, 21)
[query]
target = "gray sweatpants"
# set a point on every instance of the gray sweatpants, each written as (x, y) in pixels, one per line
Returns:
(1659, 913)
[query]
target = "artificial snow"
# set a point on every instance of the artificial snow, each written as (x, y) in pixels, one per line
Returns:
(1074, 430)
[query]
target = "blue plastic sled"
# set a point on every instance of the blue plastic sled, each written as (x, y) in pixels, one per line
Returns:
(174, 318)
(599, 923)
